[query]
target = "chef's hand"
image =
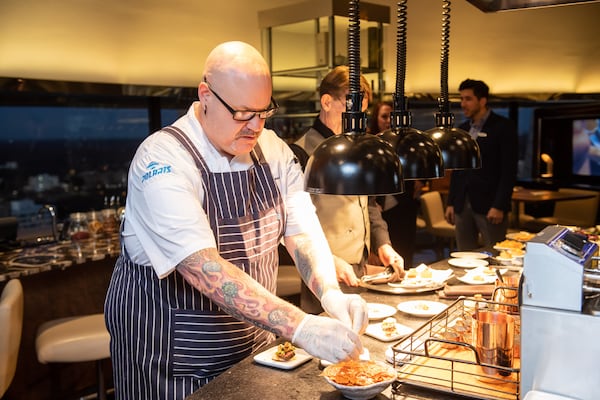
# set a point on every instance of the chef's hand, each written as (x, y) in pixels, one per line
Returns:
(327, 338)
(345, 272)
(350, 309)
(388, 256)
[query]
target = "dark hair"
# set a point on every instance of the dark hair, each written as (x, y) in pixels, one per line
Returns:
(373, 118)
(480, 89)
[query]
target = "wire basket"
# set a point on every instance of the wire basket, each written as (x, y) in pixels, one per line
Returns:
(439, 355)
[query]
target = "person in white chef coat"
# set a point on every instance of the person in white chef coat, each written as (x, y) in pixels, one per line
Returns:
(209, 199)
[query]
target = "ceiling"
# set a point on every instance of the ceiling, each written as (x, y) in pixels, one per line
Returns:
(153, 42)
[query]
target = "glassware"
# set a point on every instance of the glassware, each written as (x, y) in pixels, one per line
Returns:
(78, 227)
(109, 220)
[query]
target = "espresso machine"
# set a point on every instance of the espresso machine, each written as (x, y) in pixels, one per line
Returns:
(560, 316)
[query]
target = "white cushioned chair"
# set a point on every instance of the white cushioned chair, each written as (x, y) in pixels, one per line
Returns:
(432, 208)
(75, 339)
(11, 325)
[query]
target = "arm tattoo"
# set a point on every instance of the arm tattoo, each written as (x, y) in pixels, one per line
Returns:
(238, 294)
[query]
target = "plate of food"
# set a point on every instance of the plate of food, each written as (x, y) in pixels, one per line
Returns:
(422, 308)
(360, 380)
(422, 276)
(283, 356)
(392, 288)
(522, 236)
(387, 330)
(467, 262)
(380, 311)
(509, 245)
(470, 254)
(481, 276)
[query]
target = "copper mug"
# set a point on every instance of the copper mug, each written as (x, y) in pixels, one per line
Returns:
(493, 338)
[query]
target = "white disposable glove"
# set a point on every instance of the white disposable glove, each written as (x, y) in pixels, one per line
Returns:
(327, 338)
(350, 309)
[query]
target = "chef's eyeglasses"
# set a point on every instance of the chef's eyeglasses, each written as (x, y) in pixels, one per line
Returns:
(246, 115)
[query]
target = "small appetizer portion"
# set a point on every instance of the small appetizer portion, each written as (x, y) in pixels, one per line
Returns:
(388, 326)
(285, 352)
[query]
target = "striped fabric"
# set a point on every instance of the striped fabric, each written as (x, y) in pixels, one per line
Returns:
(167, 339)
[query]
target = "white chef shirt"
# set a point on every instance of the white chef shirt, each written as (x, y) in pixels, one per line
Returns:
(164, 218)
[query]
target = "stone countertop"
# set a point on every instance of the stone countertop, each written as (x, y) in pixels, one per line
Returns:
(251, 381)
(25, 261)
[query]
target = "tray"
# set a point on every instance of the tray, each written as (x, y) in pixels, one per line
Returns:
(427, 360)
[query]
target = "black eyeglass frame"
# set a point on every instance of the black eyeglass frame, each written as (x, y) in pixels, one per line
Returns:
(246, 115)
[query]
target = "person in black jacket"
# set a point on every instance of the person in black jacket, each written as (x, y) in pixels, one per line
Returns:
(479, 200)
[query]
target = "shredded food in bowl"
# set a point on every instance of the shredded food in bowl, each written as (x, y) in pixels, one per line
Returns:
(358, 373)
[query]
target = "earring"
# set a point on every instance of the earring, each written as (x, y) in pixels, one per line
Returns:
(205, 109)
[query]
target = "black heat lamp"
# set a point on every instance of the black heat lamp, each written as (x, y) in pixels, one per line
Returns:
(354, 162)
(419, 155)
(459, 149)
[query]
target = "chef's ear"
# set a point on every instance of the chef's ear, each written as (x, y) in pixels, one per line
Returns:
(203, 91)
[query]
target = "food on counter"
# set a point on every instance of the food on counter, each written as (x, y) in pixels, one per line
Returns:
(489, 270)
(388, 326)
(522, 236)
(358, 373)
(505, 254)
(517, 252)
(421, 271)
(426, 273)
(285, 352)
(511, 253)
(509, 244)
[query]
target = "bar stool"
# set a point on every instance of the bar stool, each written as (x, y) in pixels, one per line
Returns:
(75, 339)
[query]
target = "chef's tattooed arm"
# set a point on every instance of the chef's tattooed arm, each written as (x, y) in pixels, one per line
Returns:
(238, 294)
(314, 262)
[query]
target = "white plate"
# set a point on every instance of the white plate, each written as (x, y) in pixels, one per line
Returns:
(413, 283)
(375, 331)
(380, 311)
(390, 288)
(471, 279)
(266, 358)
(437, 277)
(422, 308)
(478, 277)
(467, 262)
(469, 254)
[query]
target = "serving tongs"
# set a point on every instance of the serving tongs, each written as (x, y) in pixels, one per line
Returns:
(380, 277)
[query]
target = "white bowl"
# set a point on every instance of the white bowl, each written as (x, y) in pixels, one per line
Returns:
(364, 392)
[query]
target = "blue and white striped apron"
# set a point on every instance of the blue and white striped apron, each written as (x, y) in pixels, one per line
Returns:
(168, 339)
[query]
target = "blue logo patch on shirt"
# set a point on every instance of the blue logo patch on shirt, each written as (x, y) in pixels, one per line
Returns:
(154, 169)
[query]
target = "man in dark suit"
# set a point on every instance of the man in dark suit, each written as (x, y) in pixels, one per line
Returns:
(479, 200)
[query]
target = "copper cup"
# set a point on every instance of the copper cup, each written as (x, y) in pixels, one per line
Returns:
(493, 338)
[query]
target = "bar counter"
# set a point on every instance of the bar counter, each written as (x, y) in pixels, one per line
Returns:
(59, 280)
(251, 381)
